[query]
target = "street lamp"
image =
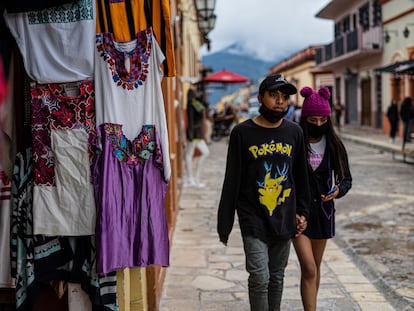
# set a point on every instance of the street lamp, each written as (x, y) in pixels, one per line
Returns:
(205, 25)
(205, 8)
(387, 37)
(406, 31)
(206, 18)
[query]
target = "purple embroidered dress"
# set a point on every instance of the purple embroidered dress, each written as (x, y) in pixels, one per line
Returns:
(131, 174)
(132, 230)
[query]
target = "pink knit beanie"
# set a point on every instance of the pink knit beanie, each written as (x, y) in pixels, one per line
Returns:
(315, 103)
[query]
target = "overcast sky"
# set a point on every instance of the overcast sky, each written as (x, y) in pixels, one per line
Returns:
(269, 29)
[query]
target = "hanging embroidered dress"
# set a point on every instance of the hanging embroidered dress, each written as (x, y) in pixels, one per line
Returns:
(64, 136)
(132, 171)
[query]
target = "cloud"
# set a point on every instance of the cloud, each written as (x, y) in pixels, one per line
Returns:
(269, 29)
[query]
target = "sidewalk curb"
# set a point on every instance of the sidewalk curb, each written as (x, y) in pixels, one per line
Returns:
(380, 144)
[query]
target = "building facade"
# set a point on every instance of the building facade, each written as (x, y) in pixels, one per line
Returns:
(371, 38)
(300, 69)
(352, 56)
(395, 76)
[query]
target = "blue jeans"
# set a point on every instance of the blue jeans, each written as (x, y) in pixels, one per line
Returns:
(266, 267)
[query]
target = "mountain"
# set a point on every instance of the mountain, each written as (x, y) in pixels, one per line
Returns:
(233, 58)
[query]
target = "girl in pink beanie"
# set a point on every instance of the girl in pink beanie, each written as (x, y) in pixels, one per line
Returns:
(329, 179)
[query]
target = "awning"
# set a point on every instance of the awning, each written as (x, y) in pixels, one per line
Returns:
(405, 67)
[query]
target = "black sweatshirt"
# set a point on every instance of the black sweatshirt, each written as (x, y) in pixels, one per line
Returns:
(266, 181)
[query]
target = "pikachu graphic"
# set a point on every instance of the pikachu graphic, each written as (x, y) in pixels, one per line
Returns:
(271, 189)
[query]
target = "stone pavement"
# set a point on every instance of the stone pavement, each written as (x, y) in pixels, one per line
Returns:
(377, 139)
(205, 275)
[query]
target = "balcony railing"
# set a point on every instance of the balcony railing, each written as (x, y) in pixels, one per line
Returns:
(353, 41)
(339, 46)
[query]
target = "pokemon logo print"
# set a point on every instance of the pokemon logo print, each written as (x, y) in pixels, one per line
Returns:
(270, 148)
(271, 189)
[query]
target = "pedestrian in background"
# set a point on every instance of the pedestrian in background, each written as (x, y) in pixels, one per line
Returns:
(196, 110)
(329, 179)
(296, 113)
(291, 110)
(209, 123)
(338, 108)
(266, 182)
(407, 116)
(392, 115)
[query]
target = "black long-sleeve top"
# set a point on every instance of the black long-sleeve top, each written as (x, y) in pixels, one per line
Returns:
(321, 223)
(266, 181)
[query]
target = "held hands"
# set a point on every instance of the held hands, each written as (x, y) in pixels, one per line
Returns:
(332, 194)
(301, 224)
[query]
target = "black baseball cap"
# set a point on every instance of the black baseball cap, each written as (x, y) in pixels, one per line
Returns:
(277, 82)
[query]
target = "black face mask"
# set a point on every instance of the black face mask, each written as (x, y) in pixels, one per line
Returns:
(271, 115)
(317, 131)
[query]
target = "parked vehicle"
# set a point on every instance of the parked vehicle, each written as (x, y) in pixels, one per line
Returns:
(220, 129)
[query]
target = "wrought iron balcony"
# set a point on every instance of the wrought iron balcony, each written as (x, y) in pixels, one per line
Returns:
(348, 45)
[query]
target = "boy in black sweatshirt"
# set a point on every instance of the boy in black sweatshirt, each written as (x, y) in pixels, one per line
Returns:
(266, 182)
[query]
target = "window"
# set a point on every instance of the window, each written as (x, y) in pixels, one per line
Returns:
(346, 26)
(364, 17)
(337, 30)
(354, 21)
(377, 13)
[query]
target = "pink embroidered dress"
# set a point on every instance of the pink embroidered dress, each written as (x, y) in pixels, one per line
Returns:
(132, 170)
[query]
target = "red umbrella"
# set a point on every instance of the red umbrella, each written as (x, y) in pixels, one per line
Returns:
(224, 76)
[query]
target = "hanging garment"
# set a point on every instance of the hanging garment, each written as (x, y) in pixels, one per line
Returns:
(18, 6)
(100, 288)
(64, 136)
(131, 226)
(8, 125)
(128, 87)
(124, 18)
(56, 44)
(5, 214)
(3, 83)
(53, 257)
(21, 231)
(133, 169)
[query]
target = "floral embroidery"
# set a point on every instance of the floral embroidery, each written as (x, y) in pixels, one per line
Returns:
(52, 109)
(136, 151)
(139, 58)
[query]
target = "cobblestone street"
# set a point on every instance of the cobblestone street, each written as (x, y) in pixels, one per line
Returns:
(366, 267)
(375, 222)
